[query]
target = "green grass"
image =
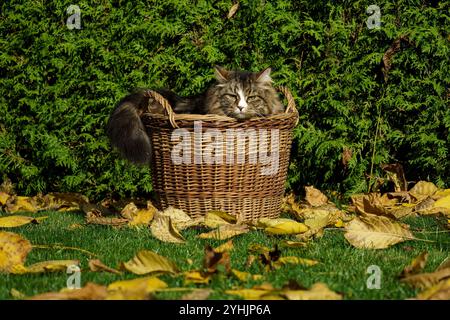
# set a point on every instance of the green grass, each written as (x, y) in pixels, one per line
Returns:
(342, 267)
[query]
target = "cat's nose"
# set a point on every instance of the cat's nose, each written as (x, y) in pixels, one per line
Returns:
(240, 108)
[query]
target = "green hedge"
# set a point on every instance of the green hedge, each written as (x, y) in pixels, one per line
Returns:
(58, 86)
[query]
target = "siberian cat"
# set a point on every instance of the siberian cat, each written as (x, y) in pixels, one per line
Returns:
(238, 94)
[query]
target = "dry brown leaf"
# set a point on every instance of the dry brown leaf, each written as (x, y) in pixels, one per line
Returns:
(213, 260)
(233, 10)
(135, 289)
(423, 189)
(214, 219)
(13, 251)
(416, 265)
(17, 221)
(149, 262)
(177, 215)
(19, 203)
(224, 232)
(440, 291)
(375, 203)
(50, 266)
(315, 197)
(95, 265)
(375, 232)
(163, 229)
(318, 291)
(61, 201)
(181, 225)
(291, 206)
(105, 221)
(137, 216)
(400, 212)
(396, 174)
(269, 257)
(423, 206)
(129, 211)
(386, 61)
(425, 280)
(200, 294)
(91, 291)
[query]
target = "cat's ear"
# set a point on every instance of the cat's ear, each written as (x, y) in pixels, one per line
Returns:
(221, 74)
(264, 76)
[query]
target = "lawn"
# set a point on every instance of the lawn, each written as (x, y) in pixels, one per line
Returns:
(341, 266)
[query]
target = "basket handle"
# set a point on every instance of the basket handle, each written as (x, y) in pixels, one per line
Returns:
(290, 99)
(165, 104)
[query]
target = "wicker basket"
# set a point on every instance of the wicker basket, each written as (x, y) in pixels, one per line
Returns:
(237, 187)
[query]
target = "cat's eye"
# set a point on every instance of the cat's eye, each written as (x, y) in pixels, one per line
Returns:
(252, 98)
(230, 96)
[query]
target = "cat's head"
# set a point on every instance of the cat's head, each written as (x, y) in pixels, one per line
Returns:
(243, 95)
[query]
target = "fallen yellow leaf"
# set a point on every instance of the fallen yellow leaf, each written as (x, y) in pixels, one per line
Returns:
(416, 265)
(318, 291)
(199, 294)
(163, 229)
(260, 292)
(225, 232)
(375, 232)
(129, 211)
(13, 251)
(425, 280)
(91, 291)
(135, 289)
(17, 221)
(225, 247)
(440, 291)
(214, 219)
(293, 244)
(294, 260)
(443, 202)
(423, 189)
(96, 265)
(315, 197)
(245, 276)
(50, 266)
(3, 198)
(20, 203)
(197, 277)
(281, 226)
(147, 262)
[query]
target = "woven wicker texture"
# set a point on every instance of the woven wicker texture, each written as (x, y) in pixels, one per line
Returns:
(235, 186)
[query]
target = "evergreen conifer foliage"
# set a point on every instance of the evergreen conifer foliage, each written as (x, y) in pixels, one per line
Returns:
(59, 85)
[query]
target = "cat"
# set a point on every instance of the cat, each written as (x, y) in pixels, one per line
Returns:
(238, 94)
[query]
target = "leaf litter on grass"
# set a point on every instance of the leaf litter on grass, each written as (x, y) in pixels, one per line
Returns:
(370, 222)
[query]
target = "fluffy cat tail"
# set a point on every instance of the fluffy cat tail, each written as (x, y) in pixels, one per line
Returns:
(126, 131)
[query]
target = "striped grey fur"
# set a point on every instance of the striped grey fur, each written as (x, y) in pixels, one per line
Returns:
(238, 94)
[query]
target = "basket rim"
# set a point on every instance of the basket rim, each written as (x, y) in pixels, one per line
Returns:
(290, 113)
